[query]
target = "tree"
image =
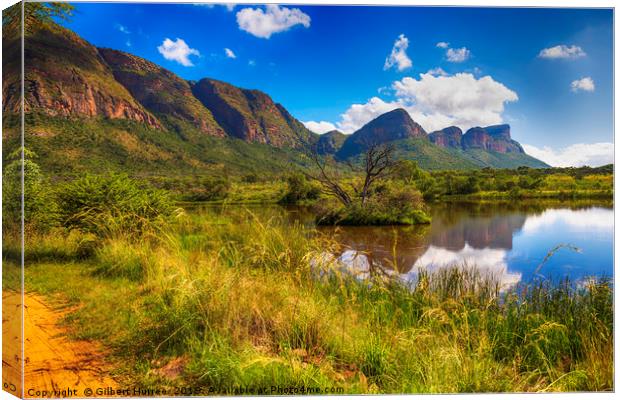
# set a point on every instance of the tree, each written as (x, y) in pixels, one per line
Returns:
(39, 208)
(35, 14)
(378, 164)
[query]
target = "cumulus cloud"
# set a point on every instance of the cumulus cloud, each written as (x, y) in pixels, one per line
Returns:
(443, 45)
(438, 71)
(359, 114)
(458, 55)
(461, 99)
(273, 19)
(562, 51)
(584, 84)
(398, 57)
(229, 53)
(436, 101)
(320, 127)
(576, 155)
(177, 51)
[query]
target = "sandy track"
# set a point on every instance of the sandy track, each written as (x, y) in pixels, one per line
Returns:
(53, 363)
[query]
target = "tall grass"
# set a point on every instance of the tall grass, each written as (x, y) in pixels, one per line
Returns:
(237, 300)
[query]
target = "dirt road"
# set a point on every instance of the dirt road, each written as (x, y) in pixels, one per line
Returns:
(54, 365)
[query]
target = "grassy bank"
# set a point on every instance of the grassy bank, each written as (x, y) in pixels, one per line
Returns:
(236, 300)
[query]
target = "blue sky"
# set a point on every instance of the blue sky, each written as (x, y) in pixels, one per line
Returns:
(546, 72)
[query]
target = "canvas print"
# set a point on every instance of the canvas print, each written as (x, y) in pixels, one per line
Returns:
(265, 199)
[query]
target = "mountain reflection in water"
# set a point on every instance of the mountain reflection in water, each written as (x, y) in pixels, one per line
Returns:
(506, 241)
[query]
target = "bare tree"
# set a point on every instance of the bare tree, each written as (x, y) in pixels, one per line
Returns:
(377, 164)
(329, 183)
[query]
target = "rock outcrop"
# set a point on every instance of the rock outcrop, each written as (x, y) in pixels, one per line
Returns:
(447, 137)
(492, 138)
(65, 76)
(160, 91)
(250, 115)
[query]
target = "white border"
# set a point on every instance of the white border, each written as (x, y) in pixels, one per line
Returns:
(473, 3)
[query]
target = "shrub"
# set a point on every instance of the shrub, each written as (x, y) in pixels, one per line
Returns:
(299, 189)
(208, 189)
(39, 208)
(115, 204)
(389, 204)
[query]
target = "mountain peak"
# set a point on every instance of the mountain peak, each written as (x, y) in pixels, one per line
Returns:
(494, 138)
(394, 125)
(447, 137)
(330, 142)
(249, 114)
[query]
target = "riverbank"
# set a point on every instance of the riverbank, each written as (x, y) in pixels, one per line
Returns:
(234, 300)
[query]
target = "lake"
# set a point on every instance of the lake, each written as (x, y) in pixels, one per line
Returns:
(507, 239)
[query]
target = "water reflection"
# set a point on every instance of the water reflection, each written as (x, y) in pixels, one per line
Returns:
(506, 240)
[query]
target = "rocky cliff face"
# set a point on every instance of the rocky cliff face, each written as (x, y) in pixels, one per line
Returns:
(249, 115)
(391, 126)
(68, 77)
(447, 137)
(492, 138)
(65, 76)
(330, 142)
(160, 91)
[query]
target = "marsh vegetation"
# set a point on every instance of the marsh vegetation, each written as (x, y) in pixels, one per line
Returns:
(236, 298)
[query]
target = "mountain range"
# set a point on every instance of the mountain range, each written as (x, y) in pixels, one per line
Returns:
(90, 108)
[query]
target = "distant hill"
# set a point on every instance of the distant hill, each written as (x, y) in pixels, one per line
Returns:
(94, 109)
(448, 148)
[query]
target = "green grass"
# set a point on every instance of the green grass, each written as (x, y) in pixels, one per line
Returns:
(238, 298)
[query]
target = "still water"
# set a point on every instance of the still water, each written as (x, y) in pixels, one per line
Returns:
(508, 240)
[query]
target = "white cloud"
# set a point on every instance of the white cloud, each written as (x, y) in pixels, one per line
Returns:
(443, 45)
(273, 19)
(436, 101)
(576, 155)
(584, 84)
(398, 57)
(229, 6)
(252, 63)
(128, 43)
(562, 51)
(359, 114)
(123, 29)
(438, 71)
(320, 127)
(229, 53)
(458, 55)
(177, 51)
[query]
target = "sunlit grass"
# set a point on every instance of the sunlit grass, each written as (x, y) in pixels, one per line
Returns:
(245, 300)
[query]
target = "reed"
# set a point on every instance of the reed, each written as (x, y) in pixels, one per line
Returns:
(238, 299)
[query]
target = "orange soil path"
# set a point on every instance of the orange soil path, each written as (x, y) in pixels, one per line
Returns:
(53, 363)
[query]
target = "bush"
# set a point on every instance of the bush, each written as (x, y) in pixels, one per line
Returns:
(40, 210)
(208, 189)
(299, 189)
(108, 205)
(388, 205)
